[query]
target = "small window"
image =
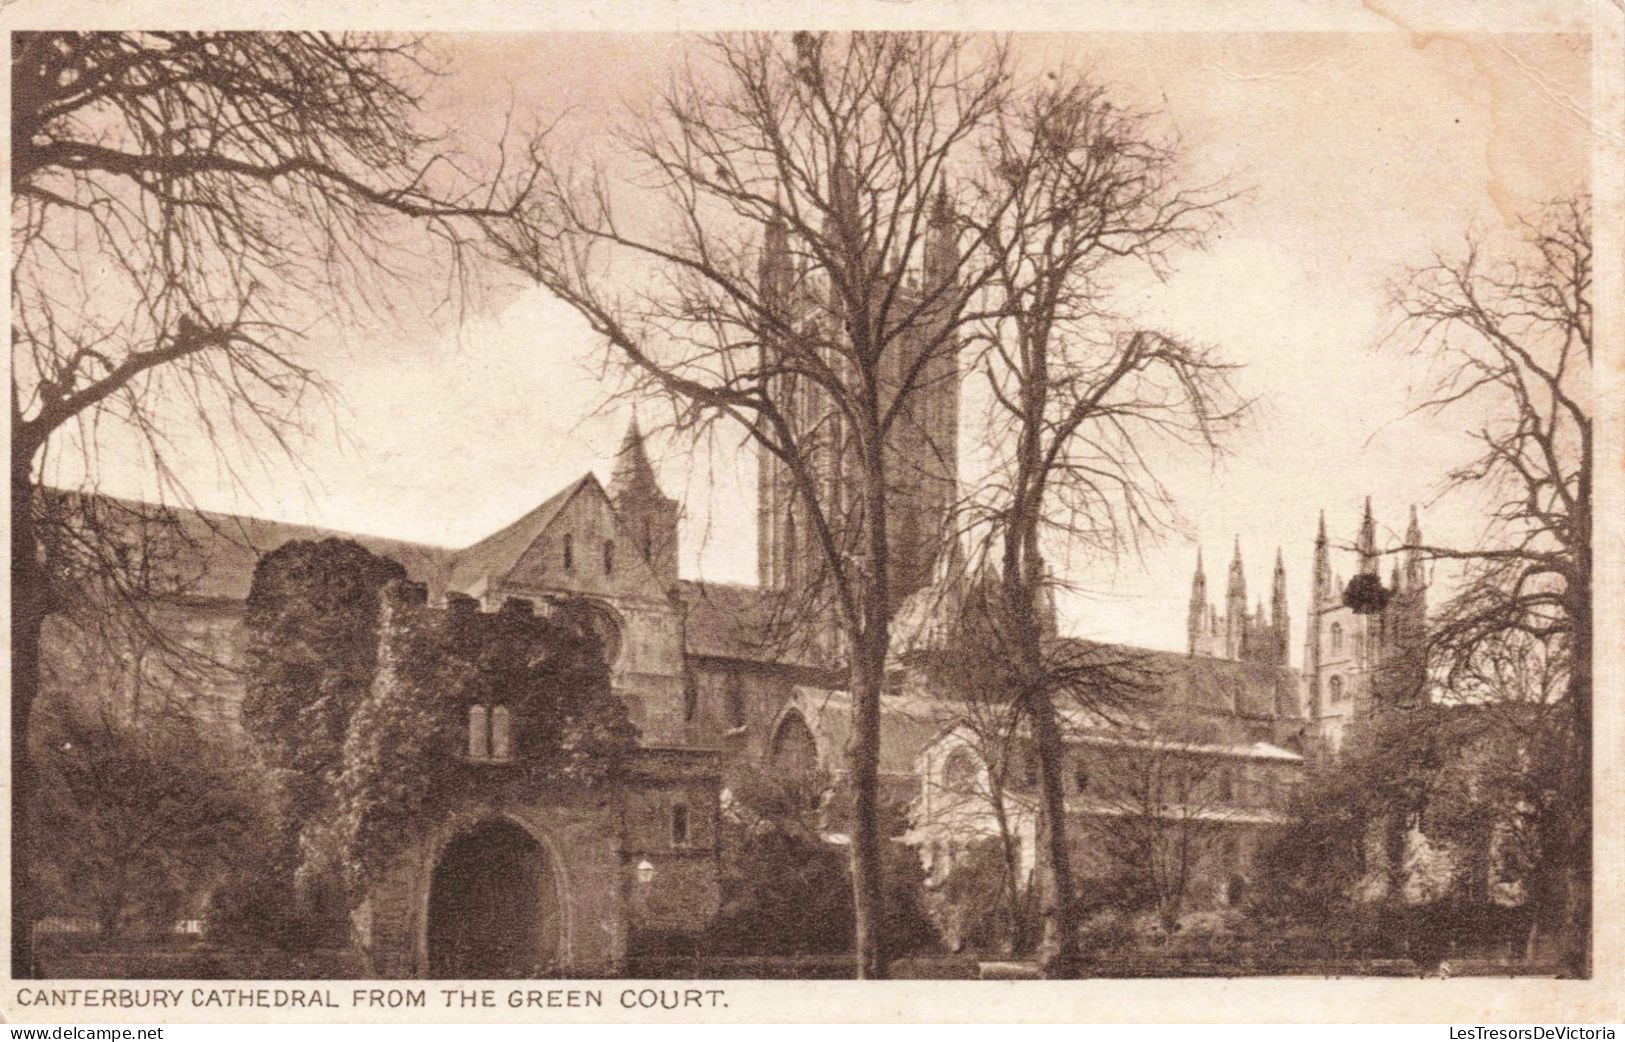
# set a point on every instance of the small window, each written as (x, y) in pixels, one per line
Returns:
(1080, 779)
(1336, 686)
(691, 699)
(569, 553)
(609, 557)
(1337, 638)
(490, 734)
(679, 825)
(648, 542)
(479, 733)
(736, 700)
(1029, 767)
(501, 734)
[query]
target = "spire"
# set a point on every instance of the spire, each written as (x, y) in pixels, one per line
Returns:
(941, 240)
(1278, 618)
(773, 272)
(1196, 619)
(1414, 579)
(942, 214)
(1235, 608)
(1367, 545)
(633, 474)
(1320, 576)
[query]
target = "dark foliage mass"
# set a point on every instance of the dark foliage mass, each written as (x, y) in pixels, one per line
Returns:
(787, 890)
(403, 755)
(358, 699)
(1366, 594)
(312, 619)
(132, 821)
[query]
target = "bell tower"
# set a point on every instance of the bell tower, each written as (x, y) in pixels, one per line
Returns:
(645, 513)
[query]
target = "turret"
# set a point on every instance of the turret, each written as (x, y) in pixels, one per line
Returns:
(775, 271)
(1235, 607)
(1279, 620)
(1321, 580)
(646, 515)
(1415, 580)
(1196, 617)
(1367, 544)
(941, 241)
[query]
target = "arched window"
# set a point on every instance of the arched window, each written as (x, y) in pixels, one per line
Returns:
(569, 553)
(959, 773)
(1337, 638)
(679, 825)
(1336, 686)
(1080, 778)
(793, 750)
(648, 541)
(501, 733)
(490, 734)
(609, 557)
(479, 733)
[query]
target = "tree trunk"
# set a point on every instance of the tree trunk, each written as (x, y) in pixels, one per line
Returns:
(869, 647)
(868, 674)
(1576, 877)
(1059, 949)
(29, 605)
(1012, 867)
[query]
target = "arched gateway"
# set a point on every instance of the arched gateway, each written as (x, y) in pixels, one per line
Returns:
(493, 906)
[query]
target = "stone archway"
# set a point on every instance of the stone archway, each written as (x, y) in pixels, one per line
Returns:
(493, 906)
(793, 750)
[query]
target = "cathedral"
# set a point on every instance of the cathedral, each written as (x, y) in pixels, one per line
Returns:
(714, 693)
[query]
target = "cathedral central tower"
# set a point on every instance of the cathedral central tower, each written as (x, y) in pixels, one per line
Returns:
(922, 446)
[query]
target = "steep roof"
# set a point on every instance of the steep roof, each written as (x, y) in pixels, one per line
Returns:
(633, 475)
(497, 553)
(221, 550)
(225, 548)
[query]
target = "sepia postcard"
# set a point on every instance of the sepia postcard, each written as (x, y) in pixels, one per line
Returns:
(1091, 512)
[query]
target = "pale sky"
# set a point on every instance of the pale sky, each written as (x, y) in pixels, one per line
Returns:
(1361, 152)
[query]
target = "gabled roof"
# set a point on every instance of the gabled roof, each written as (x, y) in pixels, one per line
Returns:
(497, 553)
(225, 548)
(221, 551)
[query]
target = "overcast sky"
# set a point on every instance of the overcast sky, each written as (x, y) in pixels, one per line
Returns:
(1360, 153)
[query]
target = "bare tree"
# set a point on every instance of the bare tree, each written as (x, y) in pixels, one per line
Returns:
(186, 208)
(987, 777)
(800, 184)
(1071, 186)
(1158, 798)
(1509, 341)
